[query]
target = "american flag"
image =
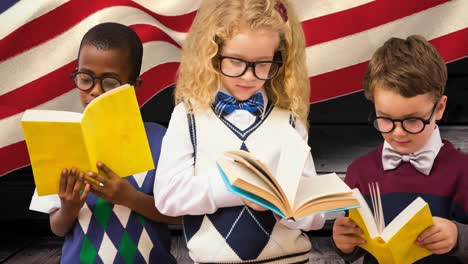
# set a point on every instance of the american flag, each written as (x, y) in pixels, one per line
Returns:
(39, 42)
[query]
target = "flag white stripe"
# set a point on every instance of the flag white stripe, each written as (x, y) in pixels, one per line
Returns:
(30, 65)
(170, 8)
(24, 11)
(431, 23)
(307, 9)
(156, 52)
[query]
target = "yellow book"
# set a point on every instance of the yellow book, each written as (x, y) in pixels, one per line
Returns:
(394, 243)
(109, 130)
(286, 191)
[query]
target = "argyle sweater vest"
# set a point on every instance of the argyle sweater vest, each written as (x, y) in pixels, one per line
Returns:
(445, 189)
(108, 233)
(240, 234)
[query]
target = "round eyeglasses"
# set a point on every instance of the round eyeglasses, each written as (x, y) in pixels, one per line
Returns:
(235, 67)
(85, 81)
(412, 125)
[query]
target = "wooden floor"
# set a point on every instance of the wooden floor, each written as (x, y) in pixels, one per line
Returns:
(47, 249)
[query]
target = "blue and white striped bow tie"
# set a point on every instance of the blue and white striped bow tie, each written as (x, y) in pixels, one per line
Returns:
(225, 104)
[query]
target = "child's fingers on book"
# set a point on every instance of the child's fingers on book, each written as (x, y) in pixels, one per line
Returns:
(345, 221)
(434, 238)
(111, 174)
(105, 169)
(94, 179)
(77, 185)
(347, 230)
(85, 193)
(71, 179)
(351, 240)
(439, 247)
(97, 190)
(63, 181)
(430, 231)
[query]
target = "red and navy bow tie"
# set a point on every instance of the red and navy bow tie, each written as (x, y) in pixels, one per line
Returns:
(225, 104)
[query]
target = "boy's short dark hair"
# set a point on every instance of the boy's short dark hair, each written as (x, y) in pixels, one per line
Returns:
(409, 67)
(107, 36)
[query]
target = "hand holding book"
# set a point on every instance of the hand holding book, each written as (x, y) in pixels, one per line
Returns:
(394, 243)
(73, 190)
(288, 195)
(440, 238)
(110, 130)
(114, 188)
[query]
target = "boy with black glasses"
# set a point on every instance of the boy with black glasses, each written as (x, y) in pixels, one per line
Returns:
(405, 80)
(116, 222)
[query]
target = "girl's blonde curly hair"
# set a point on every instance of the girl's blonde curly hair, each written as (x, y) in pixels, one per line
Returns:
(219, 20)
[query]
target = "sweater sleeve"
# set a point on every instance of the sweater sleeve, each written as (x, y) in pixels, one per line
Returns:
(460, 211)
(461, 249)
(176, 189)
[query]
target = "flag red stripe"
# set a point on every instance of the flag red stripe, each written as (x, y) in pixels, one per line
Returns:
(348, 80)
(452, 46)
(149, 33)
(13, 156)
(364, 17)
(69, 14)
(156, 79)
(336, 83)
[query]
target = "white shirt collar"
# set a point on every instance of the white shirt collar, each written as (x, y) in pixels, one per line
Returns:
(433, 144)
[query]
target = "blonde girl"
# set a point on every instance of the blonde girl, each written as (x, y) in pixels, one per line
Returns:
(242, 85)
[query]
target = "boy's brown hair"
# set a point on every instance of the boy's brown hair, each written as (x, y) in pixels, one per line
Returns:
(408, 67)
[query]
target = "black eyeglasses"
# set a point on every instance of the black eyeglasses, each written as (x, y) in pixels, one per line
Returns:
(85, 81)
(263, 70)
(412, 125)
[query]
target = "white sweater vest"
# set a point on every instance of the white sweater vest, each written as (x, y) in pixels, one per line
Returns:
(240, 234)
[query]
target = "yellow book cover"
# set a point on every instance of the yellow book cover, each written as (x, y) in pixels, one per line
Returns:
(109, 130)
(394, 243)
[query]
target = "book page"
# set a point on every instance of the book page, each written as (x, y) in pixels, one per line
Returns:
(235, 171)
(247, 190)
(314, 188)
(294, 152)
(51, 116)
(366, 214)
(259, 169)
(403, 217)
(330, 204)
